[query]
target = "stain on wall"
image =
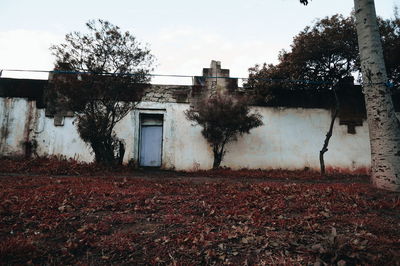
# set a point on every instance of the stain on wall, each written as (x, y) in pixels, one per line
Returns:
(17, 120)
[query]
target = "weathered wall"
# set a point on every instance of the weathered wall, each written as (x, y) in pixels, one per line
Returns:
(15, 114)
(215, 78)
(21, 122)
(60, 140)
(290, 138)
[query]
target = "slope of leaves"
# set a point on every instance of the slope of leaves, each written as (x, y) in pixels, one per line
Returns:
(119, 220)
(333, 174)
(55, 166)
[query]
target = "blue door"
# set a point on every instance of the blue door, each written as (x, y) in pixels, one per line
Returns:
(151, 145)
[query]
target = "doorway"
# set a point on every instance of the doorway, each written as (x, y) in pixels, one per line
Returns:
(151, 140)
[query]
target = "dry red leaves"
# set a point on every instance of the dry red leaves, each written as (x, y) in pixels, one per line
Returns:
(119, 220)
(70, 167)
(55, 166)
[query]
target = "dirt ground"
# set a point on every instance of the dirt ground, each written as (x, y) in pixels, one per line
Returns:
(226, 217)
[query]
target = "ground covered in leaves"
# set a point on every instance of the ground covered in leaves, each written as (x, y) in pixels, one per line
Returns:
(70, 167)
(186, 220)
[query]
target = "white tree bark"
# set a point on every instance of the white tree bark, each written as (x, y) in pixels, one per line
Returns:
(384, 128)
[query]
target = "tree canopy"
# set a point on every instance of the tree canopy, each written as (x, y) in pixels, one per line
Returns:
(325, 52)
(390, 36)
(100, 75)
(224, 118)
(384, 130)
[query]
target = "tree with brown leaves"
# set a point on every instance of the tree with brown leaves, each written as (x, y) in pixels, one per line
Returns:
(224, 118)
(100, 76)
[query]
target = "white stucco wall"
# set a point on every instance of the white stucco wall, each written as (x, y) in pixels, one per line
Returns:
(14, 115)
(289, 139)
(20, 121)
(60, 140)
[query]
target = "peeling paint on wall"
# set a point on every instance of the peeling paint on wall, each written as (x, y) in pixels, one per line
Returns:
(17, 117)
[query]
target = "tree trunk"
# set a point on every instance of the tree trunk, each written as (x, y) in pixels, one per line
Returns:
(104, 153)
(218, 155)
(217, 160)
(384, 129)
(328, 134)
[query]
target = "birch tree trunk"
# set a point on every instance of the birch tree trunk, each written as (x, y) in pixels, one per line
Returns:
(384, 128)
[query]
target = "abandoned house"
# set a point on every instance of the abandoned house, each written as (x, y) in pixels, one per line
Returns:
(158, 134)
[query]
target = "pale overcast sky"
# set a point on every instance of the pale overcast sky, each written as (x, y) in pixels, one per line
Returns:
(183, 35)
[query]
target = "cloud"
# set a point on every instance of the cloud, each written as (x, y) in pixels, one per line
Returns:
(188, 50)
(182, 51)
(24, 49)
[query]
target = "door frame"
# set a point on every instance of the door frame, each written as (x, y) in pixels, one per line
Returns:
(136, 117)
(141, 115)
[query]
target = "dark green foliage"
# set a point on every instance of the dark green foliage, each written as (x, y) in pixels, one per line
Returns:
(325, 52)
(112, 72)
(223, 118)
(390, 35)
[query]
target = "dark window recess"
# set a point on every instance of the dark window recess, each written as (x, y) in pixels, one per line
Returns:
(351, 125)
(351, 129)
